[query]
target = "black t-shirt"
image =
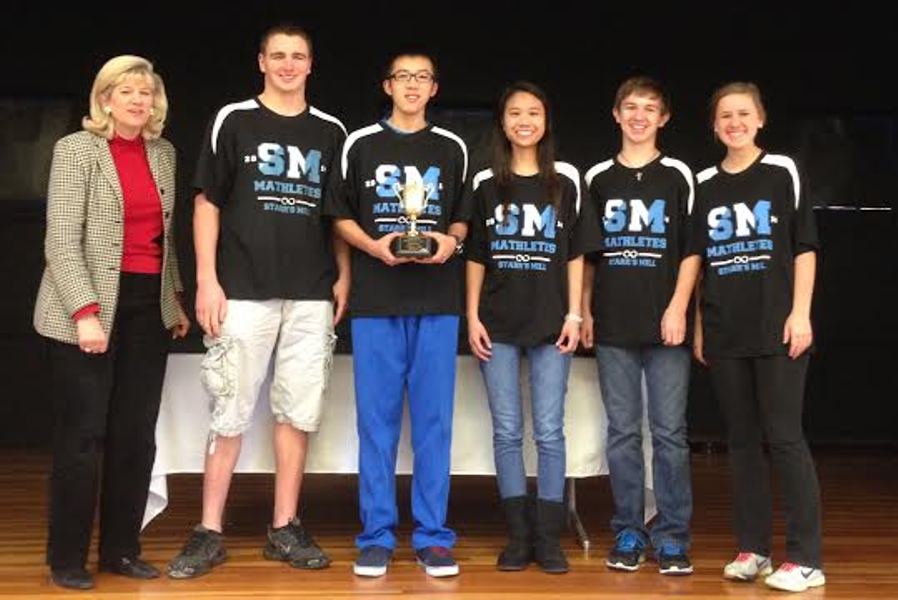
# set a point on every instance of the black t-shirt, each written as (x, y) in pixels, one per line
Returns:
(376, 159)
(643, 214)
(268, 174)
(526, 252)
(748, 228)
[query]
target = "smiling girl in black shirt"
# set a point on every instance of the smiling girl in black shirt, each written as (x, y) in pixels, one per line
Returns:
(755, 233)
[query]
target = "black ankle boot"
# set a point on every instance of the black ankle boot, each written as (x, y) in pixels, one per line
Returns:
(517, 553)
(547, 547)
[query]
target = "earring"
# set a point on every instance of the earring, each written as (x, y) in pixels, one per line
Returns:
(152, 111)
(107, 110)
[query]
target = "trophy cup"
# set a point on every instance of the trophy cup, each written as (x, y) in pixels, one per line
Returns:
(413, 198)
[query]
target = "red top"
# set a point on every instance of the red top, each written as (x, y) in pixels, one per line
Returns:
(142, 247)
(142, 244)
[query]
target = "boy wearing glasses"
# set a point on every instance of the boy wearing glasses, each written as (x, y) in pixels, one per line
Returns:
(405, 312)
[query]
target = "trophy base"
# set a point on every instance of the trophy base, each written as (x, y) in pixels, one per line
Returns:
(408, 246)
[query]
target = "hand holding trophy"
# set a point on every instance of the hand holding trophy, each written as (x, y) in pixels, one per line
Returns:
(413, 198)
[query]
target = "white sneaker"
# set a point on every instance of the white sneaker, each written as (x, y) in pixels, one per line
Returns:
(747, 567)
(795, 578)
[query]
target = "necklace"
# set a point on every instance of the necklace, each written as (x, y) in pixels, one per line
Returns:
(629, 165)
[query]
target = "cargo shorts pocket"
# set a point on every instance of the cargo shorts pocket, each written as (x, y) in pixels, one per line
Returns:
(218, 370)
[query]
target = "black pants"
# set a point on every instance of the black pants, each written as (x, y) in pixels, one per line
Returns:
(763, 396)
(106, 402)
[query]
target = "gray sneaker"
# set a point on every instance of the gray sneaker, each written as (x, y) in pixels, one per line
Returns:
(292, 544)
(203, 550)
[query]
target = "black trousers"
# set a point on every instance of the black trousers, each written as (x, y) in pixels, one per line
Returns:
(763, 397)
(106, 405)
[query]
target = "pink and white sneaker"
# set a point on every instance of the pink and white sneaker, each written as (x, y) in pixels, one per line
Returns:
(747, 567)
(791, 577)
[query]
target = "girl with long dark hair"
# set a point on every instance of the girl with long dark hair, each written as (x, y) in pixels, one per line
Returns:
(524, 276)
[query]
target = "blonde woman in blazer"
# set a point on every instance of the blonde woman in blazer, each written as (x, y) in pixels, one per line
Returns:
(108, 305)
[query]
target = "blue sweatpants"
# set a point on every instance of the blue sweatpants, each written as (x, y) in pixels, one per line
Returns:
(392, 355)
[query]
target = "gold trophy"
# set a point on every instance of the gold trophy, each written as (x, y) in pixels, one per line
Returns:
(413, 198)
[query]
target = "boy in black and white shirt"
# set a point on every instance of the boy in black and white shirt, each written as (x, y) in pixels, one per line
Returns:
(405, 313)
(269, 273)
(635, 300)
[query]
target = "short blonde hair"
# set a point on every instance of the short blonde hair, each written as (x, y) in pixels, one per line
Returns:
(110, 75)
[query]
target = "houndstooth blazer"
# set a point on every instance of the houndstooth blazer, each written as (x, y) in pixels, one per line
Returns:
(85, 231)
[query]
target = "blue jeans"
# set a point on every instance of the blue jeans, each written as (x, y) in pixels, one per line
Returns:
(548, 385)
(667, 382)
(392, 356)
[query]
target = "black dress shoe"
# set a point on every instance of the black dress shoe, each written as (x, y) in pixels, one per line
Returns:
(74, 579)
(130, 567)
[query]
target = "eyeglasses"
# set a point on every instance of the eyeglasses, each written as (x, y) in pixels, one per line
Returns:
(407, 76)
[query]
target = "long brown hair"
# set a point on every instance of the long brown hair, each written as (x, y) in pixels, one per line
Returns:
(545, 148)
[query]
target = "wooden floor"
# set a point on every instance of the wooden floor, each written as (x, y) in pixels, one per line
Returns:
(860, 493)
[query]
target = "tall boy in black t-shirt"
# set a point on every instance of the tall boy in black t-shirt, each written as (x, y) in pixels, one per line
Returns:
(267, 282)
(635, 298)
(405, 313)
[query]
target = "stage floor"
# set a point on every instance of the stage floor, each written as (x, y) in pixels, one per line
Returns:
(860, 506)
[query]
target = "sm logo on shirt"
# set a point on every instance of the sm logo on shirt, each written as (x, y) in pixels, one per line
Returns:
(526, 220)
(634, 216)
(278, 161)
(724, 222)
(387, 176)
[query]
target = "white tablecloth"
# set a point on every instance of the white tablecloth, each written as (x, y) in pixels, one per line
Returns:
(183, 428)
